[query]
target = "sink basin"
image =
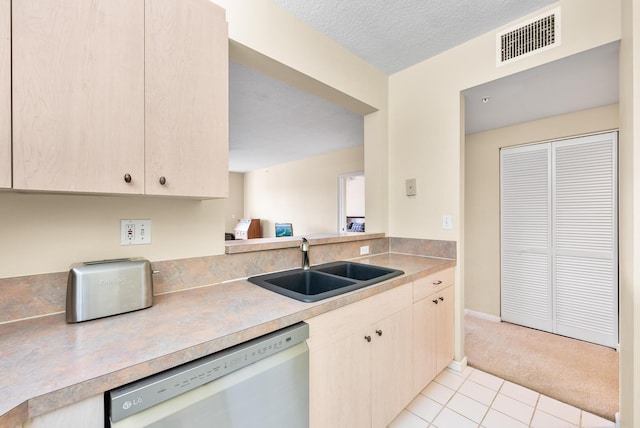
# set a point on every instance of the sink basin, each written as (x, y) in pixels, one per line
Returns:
(324, 281)
(358, 271)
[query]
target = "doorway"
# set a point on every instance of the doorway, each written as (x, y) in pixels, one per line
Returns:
(351, 202)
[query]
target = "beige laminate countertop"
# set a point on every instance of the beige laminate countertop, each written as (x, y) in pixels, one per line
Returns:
(48, 364)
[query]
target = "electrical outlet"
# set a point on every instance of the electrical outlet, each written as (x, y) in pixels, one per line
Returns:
(135, 232)
(364, 250)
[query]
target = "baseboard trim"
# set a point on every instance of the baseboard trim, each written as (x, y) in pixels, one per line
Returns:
(458, 366)
(482, 315)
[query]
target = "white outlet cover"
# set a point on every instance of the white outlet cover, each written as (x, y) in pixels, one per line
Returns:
(135, 232)
(447, 222)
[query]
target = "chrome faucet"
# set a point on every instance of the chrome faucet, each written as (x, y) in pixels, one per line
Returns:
(304, 247)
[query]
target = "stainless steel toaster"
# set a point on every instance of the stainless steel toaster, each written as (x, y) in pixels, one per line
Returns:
(108, 287)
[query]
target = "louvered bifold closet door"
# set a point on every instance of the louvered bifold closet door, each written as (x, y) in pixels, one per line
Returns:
(585, 238)
(526, 236)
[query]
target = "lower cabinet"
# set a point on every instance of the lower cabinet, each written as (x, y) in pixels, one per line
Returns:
(361, 362)
(433, 328)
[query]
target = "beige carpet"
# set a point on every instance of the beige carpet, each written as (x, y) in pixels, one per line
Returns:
(575, 372)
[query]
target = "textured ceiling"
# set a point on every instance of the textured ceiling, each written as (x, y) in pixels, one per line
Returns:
(272, 123)
(396, 34)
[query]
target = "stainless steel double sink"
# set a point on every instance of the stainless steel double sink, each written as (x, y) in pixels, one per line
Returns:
(323, 281)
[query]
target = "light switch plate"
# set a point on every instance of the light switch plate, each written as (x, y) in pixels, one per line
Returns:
(412, 190)
(447, 222)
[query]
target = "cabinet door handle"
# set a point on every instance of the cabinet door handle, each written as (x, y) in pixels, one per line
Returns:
(163, 180)
(435, 301)
(437, 282)
(367, 338)
(441, 299)
(379, 332)
(127, 178)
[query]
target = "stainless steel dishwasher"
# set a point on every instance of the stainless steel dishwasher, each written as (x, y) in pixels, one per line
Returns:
(261, 383)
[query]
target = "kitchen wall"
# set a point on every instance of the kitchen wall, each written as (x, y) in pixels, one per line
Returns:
(426, 115)
(426, 128)
(482, 194)
(48, 233)
(304, 193)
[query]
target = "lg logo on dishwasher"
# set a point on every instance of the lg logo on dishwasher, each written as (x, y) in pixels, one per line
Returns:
(128, 404)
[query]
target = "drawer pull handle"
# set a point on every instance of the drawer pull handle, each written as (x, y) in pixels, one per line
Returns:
(367, 338)
(441, 299)
(163, 181)
(438, 282)
(127, 178)
(379, 332)
(435, 301)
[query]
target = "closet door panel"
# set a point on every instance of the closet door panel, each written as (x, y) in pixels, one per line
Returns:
(526, 237)
(585, 238)
(585, 301)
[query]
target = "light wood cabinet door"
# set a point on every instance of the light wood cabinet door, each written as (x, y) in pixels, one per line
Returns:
(186, 98)
(78, 95)
(433, 324)
(340, 380)
(391, 367)
(424, 343)
(445, 323)
(5, 93)
(361, 361)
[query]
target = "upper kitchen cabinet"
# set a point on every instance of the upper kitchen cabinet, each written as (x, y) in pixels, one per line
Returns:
(5, 93)
(120, 96)
(78, 95)
(186, 98)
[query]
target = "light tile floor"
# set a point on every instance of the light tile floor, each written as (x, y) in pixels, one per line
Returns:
(477, 399)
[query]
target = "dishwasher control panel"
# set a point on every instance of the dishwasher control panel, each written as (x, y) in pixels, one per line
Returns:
(145, 393)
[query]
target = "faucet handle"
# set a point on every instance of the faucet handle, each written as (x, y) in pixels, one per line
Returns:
(304, 246)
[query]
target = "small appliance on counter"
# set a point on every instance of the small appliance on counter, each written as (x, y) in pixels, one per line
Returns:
(108, 287)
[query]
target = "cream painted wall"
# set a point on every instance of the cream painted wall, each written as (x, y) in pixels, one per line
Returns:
(234, 205)
(424, 126)
(482, 194)
(304, 192)
(47, 233)
(426, 132)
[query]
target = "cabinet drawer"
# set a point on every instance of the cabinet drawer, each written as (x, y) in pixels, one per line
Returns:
(423, 287)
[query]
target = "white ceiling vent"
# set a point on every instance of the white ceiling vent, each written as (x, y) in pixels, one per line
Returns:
(529, 37)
